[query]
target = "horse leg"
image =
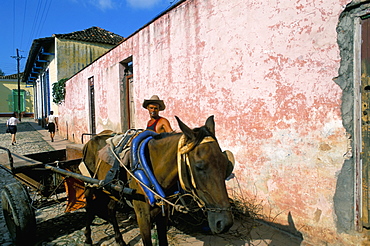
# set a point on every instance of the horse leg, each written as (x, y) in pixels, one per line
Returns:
(90, 215)
(142, 211)
(161, 222)
(89, 220)
(112, 215)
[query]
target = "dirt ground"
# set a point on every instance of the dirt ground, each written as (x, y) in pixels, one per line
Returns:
(67, 229)
(54, 227)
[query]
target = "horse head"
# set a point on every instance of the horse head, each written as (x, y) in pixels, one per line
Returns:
(202, 170)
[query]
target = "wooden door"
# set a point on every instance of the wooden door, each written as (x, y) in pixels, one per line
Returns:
(15, 103)
(365, 119)
(129, 107)
(92, 106)
(127, 95)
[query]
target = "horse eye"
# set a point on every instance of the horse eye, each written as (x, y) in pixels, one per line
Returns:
(200, 165)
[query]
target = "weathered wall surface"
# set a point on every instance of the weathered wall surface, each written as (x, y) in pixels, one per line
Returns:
(75, 55)
(75, 115)
(265, 70)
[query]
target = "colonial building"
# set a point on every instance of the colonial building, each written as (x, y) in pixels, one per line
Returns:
(288, 84)
(59, 57)
(9, 99)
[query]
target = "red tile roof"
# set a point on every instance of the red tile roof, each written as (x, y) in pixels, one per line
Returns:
(11, 76)
(93, 34)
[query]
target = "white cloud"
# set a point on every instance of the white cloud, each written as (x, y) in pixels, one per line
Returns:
(103, 4)
(143, 4)
(106, 4)
(99, 4)
(111, 4)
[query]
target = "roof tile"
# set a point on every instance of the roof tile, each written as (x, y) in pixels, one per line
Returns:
(11, 76)
(92, 34)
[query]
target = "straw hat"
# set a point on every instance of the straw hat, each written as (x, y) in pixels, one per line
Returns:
(154, 99)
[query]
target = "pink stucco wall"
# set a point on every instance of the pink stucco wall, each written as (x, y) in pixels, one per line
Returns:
(265, 69)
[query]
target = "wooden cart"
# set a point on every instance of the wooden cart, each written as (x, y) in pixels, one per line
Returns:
(41, 174)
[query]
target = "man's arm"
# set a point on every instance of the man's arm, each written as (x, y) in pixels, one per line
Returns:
(166, 125)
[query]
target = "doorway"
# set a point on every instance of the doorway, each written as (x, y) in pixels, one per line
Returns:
(17, 106)
(365, 118)
(92, 105)
(127, 95)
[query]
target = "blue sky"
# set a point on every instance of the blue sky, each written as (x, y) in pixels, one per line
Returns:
(22, 21)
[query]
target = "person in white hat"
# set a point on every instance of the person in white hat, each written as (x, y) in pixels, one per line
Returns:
(156, 123)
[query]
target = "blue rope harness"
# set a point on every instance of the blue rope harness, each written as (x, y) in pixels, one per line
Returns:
(141, 167)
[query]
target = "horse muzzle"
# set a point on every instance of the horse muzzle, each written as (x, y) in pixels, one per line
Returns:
(220, 221)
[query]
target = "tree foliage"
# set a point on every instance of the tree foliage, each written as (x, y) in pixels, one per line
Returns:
(1, 72)
(59, 91)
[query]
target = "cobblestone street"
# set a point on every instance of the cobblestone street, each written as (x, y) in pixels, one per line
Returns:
(54, 227)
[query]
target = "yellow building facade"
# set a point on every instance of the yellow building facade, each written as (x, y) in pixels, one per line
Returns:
(9, 97)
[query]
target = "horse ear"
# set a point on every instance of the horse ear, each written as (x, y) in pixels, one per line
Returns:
(230, 164)
(185, 129)
(210, 124)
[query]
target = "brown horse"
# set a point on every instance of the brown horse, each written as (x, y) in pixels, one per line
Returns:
(97, 201)
(193, 158)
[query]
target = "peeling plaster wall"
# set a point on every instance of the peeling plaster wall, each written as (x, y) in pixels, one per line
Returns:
(74, 115)
(265, 70)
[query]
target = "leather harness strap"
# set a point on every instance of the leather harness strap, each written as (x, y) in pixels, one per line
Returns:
(182, 156)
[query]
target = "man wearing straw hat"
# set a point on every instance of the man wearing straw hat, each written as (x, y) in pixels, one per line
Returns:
(156, 123)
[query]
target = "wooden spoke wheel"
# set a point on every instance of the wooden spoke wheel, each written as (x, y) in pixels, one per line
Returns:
(18, 213)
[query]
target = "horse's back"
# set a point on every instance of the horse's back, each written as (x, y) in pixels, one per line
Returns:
(96, 143)
(92, 147)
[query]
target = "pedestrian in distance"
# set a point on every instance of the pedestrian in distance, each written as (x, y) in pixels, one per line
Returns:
(52, 122)
(11, 125)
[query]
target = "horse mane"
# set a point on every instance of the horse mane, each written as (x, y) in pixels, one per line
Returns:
(199, 132)
(165, 135)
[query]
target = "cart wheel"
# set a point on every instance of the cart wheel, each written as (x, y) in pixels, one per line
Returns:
(18, 213)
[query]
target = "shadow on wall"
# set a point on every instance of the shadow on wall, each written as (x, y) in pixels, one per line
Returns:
(287, 234)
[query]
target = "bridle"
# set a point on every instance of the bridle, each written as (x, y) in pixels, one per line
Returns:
(183, 158)
(183, 150)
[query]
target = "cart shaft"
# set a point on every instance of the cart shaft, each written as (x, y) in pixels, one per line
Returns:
(99, 183)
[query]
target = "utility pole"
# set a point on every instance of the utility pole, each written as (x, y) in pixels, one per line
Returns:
(19, 83)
